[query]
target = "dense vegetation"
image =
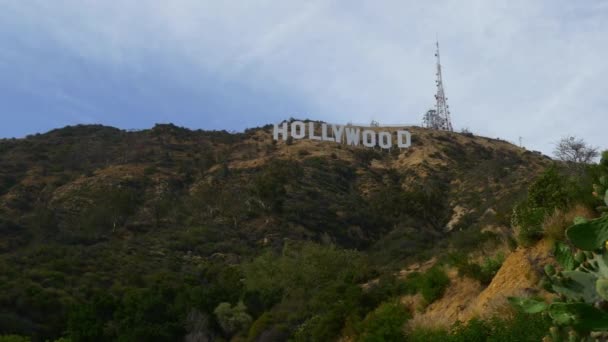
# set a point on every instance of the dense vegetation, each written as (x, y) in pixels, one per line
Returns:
(170, 234)
(580, 312)
(522, 327)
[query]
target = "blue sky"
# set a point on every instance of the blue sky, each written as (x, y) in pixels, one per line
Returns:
(534, 69)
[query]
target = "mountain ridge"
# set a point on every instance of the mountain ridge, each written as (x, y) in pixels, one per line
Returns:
(202, 156)
(94, 208)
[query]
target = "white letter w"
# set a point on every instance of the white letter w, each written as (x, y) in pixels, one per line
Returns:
(352, 136)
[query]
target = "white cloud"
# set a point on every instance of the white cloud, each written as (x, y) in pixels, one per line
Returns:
(512, 68)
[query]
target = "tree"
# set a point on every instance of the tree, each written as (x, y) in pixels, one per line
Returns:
(232, 319)
(550, 191)
(575, 150)
(385, 323)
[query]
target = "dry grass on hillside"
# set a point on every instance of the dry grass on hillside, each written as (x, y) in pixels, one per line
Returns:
(448, 309)
(555, 225)
(465, 298)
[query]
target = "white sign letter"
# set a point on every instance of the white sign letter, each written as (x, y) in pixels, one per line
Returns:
(352, 136)
(298, 130)
(369, 138)
(337, 130)
(282, 131)
(408, 139)
(311, 132)
(385, 140)
(324, 136)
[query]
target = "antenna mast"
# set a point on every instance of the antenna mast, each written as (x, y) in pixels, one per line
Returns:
(439, 118)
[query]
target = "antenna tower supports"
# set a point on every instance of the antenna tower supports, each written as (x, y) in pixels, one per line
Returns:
(439, 117)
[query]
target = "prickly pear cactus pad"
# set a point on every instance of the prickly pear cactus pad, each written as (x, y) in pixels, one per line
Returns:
(601, 286)
(601, 190)
(590, 235)
(581, 312)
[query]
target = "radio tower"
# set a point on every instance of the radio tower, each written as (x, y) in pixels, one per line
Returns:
(439, 118)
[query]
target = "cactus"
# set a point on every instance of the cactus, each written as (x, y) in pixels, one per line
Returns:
(577, 285)
(580, 257)
(604, 160)
(601, 286)
(529, 305)
(601, 190)
(563, 255)
(581, 312)
(580, 316)
(582, 284)
(590, 235)
(549, 270)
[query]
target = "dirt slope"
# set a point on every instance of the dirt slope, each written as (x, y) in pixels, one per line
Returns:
(466, 298)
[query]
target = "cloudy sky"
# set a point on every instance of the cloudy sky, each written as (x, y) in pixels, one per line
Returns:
(530, 68)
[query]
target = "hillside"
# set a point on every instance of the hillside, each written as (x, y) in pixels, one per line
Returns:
(85, 209)
(265, 190)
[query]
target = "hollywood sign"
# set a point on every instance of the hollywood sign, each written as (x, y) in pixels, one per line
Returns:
(343, 134)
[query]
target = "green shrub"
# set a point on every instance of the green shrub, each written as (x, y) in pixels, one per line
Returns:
(528, 223)
(470, 239)
(483, 272)
(109, 210)
(490, 267)
(434, 283)
(388, 286)
(269, 184)
(317, 287)
(550, 191)
(430, 284)
(306, 267)
(470, 270)
(580, 282)
(522, 327)
(83, 325)
(385, 323)
(14, 338)
(259, 326)
(365, 156)
(428, 335)
(232, 319)
(148, 315)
